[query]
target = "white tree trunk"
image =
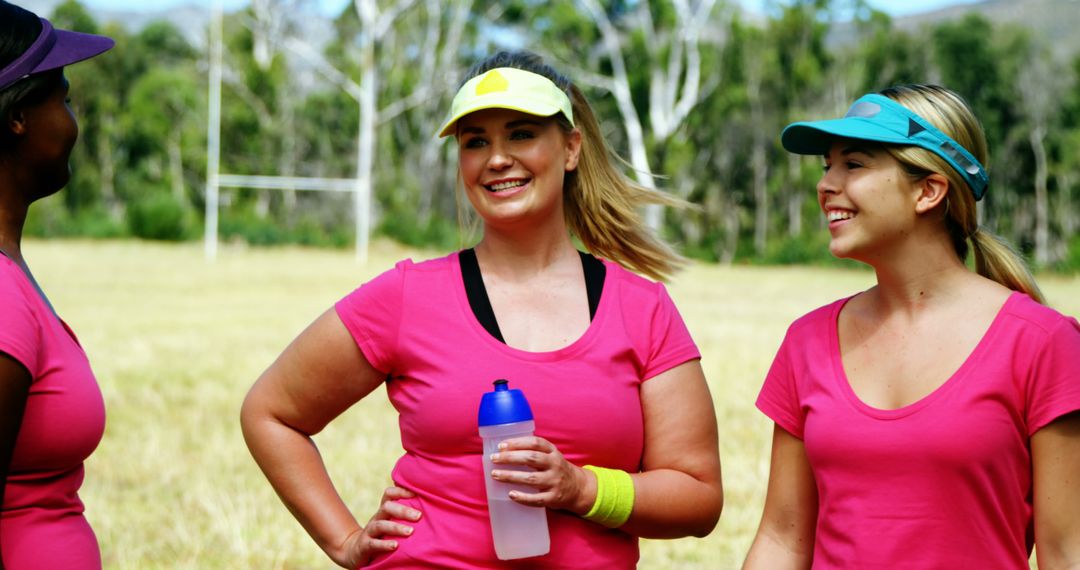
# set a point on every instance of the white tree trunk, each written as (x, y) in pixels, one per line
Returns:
(1042, 202)
(176, 163)
(673, 92)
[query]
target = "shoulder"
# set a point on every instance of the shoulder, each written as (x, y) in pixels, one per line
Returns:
(13, 283)
(1024, 312)
(409, 269)
(434, 265)
(815, 321)
(633, 288)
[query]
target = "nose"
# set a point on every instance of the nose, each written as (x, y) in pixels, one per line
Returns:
(829, 183)
(500, 158)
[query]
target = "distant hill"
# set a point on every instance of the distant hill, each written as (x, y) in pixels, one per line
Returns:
(1057, 22)
(190, 20)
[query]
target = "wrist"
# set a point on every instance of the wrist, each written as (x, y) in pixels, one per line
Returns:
(586, 495)
(614, 497)
(344, 552)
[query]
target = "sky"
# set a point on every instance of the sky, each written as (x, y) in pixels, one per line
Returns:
(893, 7)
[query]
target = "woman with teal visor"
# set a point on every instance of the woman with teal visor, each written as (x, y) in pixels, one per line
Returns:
(626, 442)
(933, 420)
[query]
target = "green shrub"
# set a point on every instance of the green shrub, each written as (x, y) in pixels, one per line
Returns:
(808, 249)
(436, 232)
(250, 228)
(49, 218)
(158, 217)
(1071, 262)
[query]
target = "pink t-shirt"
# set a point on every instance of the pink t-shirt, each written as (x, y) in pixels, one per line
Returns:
(944, 482)
(414, 323)
(42, 523)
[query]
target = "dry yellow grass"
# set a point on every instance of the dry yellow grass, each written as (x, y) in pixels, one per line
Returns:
(176, 342)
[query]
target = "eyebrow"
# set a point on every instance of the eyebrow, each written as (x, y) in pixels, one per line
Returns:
(509, 126)
(523, 122)
(857, 148)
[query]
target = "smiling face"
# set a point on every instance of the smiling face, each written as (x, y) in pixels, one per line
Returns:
(513, 165)
(869, 201)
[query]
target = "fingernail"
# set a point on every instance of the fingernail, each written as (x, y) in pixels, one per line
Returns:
(493, 456)
(415, 515)
(503, 445)
(408, 531)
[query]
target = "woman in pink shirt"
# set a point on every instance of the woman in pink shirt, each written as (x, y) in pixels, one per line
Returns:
(51, 410)
(610, 371)
(932, 420)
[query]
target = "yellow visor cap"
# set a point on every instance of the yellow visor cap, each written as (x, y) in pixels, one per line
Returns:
(508, 88)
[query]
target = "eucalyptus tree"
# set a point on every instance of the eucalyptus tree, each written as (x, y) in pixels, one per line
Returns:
(1041, 84)
(162, 133)
(799, 87)
(1066, 165)
(646, 54)
(390, 58)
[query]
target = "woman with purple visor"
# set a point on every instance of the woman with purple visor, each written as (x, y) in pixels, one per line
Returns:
(52, 414)
(933, 420)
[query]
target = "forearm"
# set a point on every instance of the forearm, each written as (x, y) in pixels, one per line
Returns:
(673, 504)
(772, 551)
(294, 468)
(1061, 551)
(1063, 565)
(1055, 452)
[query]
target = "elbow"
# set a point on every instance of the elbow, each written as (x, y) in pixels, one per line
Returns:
(711, 518)
(249, 413)
(255, 416)
(1065, 557)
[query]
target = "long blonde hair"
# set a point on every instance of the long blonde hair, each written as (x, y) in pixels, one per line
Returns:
(600, 203)
(995, 258)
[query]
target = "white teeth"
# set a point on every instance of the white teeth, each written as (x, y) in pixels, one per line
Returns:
(507, 185)
(835, 215)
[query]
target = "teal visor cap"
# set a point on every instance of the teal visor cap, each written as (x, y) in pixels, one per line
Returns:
(880, 119)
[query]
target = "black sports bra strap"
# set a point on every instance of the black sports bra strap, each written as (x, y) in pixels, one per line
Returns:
(594, 280)
(477, 293)
(594, 269)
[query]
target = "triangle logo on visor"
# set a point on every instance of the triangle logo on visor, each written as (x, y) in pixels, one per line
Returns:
(492, 82)
(914, 128)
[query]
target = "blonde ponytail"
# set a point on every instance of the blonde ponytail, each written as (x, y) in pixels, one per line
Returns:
(996, 259)
(603, 206)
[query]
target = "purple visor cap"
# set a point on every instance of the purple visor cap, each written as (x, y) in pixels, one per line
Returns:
(51, 50)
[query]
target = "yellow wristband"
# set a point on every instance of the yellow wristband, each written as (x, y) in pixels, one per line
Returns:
(614, 497)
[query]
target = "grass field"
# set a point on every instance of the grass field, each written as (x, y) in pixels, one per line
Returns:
(176, 342)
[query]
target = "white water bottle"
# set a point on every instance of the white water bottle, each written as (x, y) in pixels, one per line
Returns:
(519, 531)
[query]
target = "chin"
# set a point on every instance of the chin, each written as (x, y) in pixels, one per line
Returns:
(51, 188)
(844, 251)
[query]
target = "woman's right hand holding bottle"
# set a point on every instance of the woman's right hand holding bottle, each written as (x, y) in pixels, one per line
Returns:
(373, 539)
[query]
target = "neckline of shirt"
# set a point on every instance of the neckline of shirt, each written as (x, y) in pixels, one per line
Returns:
(840, 376)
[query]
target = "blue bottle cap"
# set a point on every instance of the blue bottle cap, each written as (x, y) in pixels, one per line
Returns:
(503, 406)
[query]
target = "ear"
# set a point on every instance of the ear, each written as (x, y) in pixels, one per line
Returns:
(573, 150)
(932, 191)
(16, 122)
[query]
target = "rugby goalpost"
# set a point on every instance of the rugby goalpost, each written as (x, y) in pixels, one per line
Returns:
(215, 180)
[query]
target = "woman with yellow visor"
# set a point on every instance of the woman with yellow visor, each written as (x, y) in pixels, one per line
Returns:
(626, 439)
